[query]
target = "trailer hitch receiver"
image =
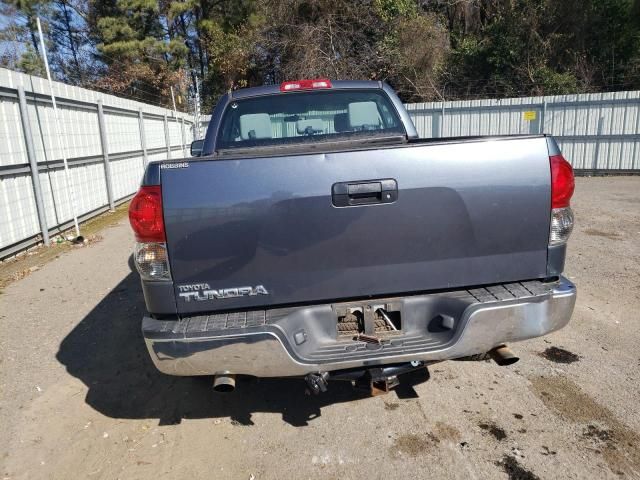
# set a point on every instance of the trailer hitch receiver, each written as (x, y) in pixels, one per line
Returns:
(317, 382)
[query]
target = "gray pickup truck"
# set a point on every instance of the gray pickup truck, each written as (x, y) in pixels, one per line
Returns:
(317, 236)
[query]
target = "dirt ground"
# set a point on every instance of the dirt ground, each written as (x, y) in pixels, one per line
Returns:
(79, 397)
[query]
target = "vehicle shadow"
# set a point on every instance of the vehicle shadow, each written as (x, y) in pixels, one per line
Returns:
(106, 352)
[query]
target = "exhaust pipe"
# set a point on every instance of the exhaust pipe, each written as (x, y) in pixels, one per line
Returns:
(224, 383)
(503, 356)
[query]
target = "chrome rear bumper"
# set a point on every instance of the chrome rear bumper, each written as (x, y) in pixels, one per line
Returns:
(297, 341)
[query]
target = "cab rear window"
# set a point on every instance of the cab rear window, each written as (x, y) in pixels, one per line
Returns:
(307, 116)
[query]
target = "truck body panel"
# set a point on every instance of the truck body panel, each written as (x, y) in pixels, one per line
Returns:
(318, 236)
(466, 213)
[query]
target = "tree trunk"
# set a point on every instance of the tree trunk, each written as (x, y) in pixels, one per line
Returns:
(72, 42)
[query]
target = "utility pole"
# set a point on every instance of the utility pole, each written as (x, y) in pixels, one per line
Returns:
(56, 128)
(197, 134)
(175, 116)
(173, 101)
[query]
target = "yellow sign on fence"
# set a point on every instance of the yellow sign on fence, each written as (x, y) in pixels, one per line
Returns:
(530, 116)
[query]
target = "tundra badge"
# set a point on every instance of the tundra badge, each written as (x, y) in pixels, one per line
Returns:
(202, 292)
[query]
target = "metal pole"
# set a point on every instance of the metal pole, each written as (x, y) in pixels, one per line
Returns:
(184, 153)
(636, 131)
(194, 135)
(33, 163)
(197, 109)
(175, 115)
(613, 106)
(105, 154)
(624, 126)
(544, 116)
(143, 140)
(597, 149)
(173, 100)
(69, 193)
(442, 122)
(167, 139)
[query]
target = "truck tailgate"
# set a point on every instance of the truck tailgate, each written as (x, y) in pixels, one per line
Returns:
(465, 213)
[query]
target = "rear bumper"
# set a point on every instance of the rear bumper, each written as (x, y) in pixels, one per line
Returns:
(297, 341)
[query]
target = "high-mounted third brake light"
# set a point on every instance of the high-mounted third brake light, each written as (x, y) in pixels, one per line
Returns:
(305, 84)
(145, 214)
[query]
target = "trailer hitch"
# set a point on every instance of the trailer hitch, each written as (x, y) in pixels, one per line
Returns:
(377, 383)
(372, 380)
(317, 382)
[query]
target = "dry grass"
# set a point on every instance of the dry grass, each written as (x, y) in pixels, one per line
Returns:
(31, 260)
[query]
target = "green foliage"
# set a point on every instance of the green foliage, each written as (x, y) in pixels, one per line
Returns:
(31, 62)
(536, 47)
(555, 83)
(415, 53)
(427, 50)
(389, 10)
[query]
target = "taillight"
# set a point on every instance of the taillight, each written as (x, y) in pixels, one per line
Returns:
(562, 187)
(562, 182)
(305, 84)
(145, 216)
(151, 260)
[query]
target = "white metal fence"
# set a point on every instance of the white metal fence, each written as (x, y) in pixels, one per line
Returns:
(596, 132)
(107, 140)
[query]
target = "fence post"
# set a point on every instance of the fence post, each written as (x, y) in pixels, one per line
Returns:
(143, 139)
(596, 153)
(624, 125)
(544, 116)
(33, 164)
(611, 116)
(105, 155)
(167, 138)
(636, 131)
(442, 121)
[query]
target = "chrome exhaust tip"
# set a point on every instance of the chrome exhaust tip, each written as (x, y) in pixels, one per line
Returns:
(225, 383)
(503, 356)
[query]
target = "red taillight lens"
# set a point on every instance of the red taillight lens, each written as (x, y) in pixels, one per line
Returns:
(562, 182)
(305, 84)
(145, 214)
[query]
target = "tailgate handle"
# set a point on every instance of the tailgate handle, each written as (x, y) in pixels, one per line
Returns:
(360, 190)
(367, 192)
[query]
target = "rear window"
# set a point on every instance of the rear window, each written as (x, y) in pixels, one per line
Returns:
(291, 118)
